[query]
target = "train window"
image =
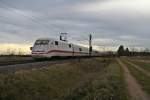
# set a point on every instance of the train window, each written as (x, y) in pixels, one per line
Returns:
(80, 49)
(41, 42)
(69, 45)
(56, 42)
(38, 42)
(45, 41)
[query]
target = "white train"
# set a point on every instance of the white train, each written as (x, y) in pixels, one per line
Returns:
(47, 48)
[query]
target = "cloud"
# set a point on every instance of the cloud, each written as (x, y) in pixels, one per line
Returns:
(112, 22)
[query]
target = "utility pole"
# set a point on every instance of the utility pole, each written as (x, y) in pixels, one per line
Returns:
(90, 44)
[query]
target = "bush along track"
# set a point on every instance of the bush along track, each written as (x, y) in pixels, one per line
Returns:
(89, 79)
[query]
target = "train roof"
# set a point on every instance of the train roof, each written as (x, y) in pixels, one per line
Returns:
(46, 39)
(51, 39)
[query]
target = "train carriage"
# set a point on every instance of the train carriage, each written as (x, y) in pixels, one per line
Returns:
(47, 48)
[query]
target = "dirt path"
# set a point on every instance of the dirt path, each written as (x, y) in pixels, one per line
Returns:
(133, 87)
(139, 68)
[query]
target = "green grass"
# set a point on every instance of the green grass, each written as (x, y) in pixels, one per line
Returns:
(144, 65)
(107, 85)
(89, 79)
(143, 79)
(141, 58)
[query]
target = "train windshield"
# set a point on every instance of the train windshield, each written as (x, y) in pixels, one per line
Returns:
(41, 42)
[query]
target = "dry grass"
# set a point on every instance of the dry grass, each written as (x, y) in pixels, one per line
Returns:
(105, 85)
(89, 79)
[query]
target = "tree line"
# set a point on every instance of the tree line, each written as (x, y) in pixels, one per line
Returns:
(126, 52)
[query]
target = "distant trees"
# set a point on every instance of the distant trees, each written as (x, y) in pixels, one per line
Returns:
(125, 52)
(146, 50)
(12, 51)
(121, 51)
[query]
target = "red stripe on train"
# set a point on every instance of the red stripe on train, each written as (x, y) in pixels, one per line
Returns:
(58, 51)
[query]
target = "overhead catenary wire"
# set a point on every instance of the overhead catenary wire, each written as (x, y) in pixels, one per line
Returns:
(31, 17)
(34, 19)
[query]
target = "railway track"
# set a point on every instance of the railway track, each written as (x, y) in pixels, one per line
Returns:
(13, 66)
(16, 62)
(12, 60)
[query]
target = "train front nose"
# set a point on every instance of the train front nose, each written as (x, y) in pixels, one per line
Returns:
(39, 51)
(38, 55)
(40, 48)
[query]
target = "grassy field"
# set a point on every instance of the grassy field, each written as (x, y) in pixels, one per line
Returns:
(143, 79)
(141, 58)
(144, 65)
(89, 79)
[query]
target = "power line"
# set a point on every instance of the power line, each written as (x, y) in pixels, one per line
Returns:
(82, 38)
(32, 18)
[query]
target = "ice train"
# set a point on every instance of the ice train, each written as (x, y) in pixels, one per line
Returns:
(47, 48)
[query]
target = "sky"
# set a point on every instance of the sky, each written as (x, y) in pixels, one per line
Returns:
(111, 22)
